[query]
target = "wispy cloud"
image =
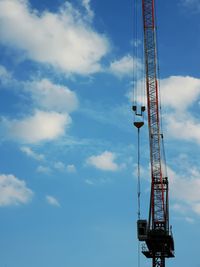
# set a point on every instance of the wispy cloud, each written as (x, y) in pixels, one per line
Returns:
(90, 13)
(70, 168)
(117, 115)
(13, 191)
(89, 182)
(63, 40)
(52, 201)
(43, 169)
(5, 76)
(30, 153)
(192, 4)
(97, 181)
(189, 220)
(136, 43)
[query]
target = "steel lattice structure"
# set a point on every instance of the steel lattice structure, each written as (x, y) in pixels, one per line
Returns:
(157, 192)
(155, 232)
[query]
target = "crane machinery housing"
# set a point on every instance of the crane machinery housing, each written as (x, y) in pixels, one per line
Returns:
(156, 232)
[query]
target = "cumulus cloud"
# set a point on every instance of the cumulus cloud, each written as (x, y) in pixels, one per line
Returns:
(30, 153)
(104, 161)
(52, 201)
(180, 92)
(177, 92)
(125, 66)
(59, 165)
(43, 169)
(63, 40)
(52, 102)
(183, 127)
(13, 191)
(185, 188)
(50, 96)
(41, 126)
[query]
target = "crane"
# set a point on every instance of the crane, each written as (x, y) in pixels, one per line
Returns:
(156, 232)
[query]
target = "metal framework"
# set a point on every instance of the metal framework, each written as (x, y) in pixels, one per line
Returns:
(157, 192)
(158, 262)
(155, 232)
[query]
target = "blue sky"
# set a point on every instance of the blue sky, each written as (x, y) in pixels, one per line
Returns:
(68, 188)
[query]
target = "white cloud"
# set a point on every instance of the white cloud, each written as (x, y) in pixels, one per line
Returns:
(180, 208)
(196, 208)
(13, 191)
(59, 165)
(179, 92)
(63, 40)
(104, 161)
(5, 75)
(43, 169)
(189, 220)
(125, 66)
(194, 4)
(50, 96)
(183, 127)
(30, 153)
(71, 168)
(52, 201)
(98, 182)
(41, 126)
(89, 182)
(185, 188)
(86, 4)
(183, 209)
(136, 43)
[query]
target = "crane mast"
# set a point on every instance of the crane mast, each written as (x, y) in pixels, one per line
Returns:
(155, 233)
(158, 205)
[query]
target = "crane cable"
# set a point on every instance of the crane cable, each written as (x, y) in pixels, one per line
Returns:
(138, 189)
(137, 53)
(138, 175)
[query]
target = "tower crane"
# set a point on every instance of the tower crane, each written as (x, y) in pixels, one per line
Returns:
(154, 232)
